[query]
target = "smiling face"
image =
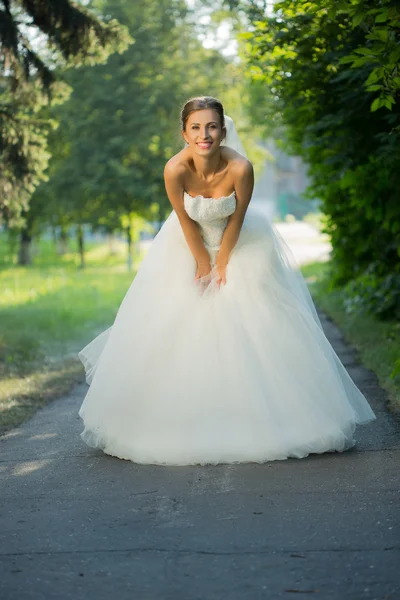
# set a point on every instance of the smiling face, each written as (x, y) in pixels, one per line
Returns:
(203, 131)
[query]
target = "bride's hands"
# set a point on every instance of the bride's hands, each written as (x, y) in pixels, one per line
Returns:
(203, 275)
(220, 274)
(203, 269)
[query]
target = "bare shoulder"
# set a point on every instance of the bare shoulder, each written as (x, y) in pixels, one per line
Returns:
(174, 176)
(243, 168)
(238, 164)
(242, 174)
(177, 166)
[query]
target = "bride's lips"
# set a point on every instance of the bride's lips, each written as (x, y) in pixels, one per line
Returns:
(204, 145)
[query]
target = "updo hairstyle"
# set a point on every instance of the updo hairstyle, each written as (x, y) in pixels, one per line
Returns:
(200, 103)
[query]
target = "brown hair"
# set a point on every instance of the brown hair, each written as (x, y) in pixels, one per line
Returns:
(200, 103)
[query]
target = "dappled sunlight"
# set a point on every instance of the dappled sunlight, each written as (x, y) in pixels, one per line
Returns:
(20, 397)
(27, 286)
(63, 311)
(15, 391)
(20, 286)
(33, 286)
(26, 468)
(101, 252)
(15, 433)
(42, 436)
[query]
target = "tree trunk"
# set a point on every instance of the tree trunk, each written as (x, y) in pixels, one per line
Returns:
(81, 245)
(63, 241)
(129, 241)
(25, 247)
(54, 235)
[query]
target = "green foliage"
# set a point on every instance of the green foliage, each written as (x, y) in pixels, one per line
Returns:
(23, 145)
(36, 37)
(380, 50)
(69, 34)
(312, 67)
(121, 123)
(377, 295)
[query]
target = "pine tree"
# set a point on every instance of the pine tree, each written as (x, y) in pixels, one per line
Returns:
(38, 38)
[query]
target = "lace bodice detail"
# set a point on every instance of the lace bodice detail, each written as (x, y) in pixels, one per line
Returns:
(211, 214)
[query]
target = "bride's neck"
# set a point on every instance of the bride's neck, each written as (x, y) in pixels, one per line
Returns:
(206, 166)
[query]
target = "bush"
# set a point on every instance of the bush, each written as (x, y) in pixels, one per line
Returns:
(372, 294)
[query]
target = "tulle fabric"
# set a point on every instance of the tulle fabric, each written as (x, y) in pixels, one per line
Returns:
(201, 374)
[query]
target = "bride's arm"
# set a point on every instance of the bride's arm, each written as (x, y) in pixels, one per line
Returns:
(244, 184)
(173, 184)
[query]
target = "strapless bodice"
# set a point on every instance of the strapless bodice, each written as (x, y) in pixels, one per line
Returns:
(211, 214)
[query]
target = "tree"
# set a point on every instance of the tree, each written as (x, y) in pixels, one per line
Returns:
(35, 37)
(326, 68)
(121, 123)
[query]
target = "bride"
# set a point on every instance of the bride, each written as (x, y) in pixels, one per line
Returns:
(216, 354)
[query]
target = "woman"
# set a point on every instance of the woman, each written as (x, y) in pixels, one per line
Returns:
(216, 354)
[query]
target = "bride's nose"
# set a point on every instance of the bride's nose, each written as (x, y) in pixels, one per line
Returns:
(204, 134)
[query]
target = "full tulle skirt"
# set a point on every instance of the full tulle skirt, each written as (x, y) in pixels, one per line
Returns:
(200, 374)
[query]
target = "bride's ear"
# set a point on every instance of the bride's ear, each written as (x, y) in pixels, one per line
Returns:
(223, 134)
(183, 136)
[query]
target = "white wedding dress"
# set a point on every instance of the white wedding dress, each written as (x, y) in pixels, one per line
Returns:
(242, 373)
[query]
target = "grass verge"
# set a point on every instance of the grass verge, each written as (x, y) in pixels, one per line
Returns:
(48, 312)
(22, 395)
(377, 342)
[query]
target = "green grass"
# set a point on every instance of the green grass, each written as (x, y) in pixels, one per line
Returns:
(377, 342)
(48, 312)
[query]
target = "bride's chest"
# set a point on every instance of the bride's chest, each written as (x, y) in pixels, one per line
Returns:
(203, 209)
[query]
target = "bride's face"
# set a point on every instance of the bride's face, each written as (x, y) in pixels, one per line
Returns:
(203, 131)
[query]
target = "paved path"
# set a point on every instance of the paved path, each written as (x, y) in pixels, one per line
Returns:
(77, 524)
(305, 241)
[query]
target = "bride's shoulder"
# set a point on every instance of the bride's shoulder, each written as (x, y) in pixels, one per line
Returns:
(237, 163)
(233, 157)
(177, 165)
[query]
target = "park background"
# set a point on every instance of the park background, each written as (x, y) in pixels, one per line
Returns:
(89, 114)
